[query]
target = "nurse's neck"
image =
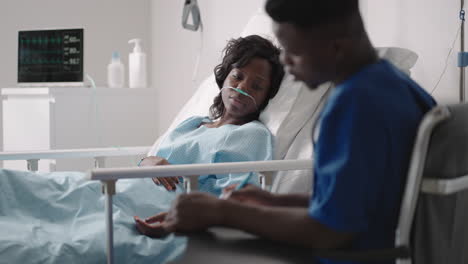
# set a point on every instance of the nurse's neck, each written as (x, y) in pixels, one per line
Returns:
(356, 51)
(358, 58)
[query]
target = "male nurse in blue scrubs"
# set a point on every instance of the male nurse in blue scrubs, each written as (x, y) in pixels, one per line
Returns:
(363, 141)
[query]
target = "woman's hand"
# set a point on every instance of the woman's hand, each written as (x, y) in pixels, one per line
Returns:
(250, 194)
(168, 182)
(152, 226)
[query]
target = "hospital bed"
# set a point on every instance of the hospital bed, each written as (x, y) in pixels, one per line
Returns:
(289, 116)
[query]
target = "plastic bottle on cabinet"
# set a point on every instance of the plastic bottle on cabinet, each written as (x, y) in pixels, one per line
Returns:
(115, 72)
(137, 66)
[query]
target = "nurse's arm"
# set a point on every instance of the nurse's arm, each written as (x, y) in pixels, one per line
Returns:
(254, 195)
(290, 225)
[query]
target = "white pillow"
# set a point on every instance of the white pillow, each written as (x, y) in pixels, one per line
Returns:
(198, 105)
(403, 59)
(293, 138)
(260, 24)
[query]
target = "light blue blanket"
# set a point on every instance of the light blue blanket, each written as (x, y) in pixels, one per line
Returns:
(59, 218)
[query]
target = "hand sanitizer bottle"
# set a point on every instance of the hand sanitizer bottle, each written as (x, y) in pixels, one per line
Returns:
(137, 66)
(115, 72)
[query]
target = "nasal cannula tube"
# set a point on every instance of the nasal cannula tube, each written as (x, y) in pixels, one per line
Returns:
(243, 93)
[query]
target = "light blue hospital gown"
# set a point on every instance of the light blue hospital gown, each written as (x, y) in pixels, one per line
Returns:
(59, 217)
(191, 143)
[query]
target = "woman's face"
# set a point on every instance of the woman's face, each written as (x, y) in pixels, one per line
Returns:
(254, 79)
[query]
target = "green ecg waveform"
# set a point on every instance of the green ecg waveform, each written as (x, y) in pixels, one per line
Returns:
(41, 41)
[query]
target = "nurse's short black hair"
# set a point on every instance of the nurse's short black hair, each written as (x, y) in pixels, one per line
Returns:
(311, 13)
(238, 53)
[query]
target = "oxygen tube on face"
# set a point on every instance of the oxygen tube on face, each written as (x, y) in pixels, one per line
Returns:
(243, 93)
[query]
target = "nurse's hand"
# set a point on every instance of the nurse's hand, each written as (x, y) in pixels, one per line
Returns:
(193, 212)
(151, 226)
(168, 182)
(250, 194)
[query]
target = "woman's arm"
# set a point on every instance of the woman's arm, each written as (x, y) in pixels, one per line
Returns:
(168, 182)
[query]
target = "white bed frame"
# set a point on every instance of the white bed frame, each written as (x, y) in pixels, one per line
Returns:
(109, 176)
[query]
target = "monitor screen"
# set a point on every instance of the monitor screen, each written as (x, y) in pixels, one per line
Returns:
(50, 56)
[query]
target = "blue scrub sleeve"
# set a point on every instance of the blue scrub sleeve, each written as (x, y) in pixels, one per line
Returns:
(350, 158)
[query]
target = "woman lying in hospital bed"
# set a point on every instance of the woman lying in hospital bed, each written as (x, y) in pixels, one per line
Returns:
(58, 217)
(249, 75)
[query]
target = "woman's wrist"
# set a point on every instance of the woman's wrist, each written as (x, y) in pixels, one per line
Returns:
(139, 163)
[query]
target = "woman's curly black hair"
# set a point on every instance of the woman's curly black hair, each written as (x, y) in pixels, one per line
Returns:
(238, 53)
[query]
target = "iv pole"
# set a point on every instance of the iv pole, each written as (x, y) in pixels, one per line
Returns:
(462, 57)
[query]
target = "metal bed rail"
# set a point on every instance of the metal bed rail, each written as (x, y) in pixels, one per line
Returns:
(99, 155)
(109, 177)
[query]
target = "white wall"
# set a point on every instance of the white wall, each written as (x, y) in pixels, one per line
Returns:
(175, 49)
(108, 25)
(427, 27)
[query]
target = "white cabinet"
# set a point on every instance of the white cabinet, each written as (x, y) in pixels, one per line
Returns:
(68, 118)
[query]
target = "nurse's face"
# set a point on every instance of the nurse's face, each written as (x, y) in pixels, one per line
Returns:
(308, 56)
(254, 79)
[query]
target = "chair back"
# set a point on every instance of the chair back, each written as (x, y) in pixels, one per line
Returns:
(436, 225)
(441, 225)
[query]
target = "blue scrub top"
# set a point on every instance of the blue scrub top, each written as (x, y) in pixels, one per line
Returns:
(363, 142)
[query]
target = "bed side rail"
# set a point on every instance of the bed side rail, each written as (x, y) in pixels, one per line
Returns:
(99, 154)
